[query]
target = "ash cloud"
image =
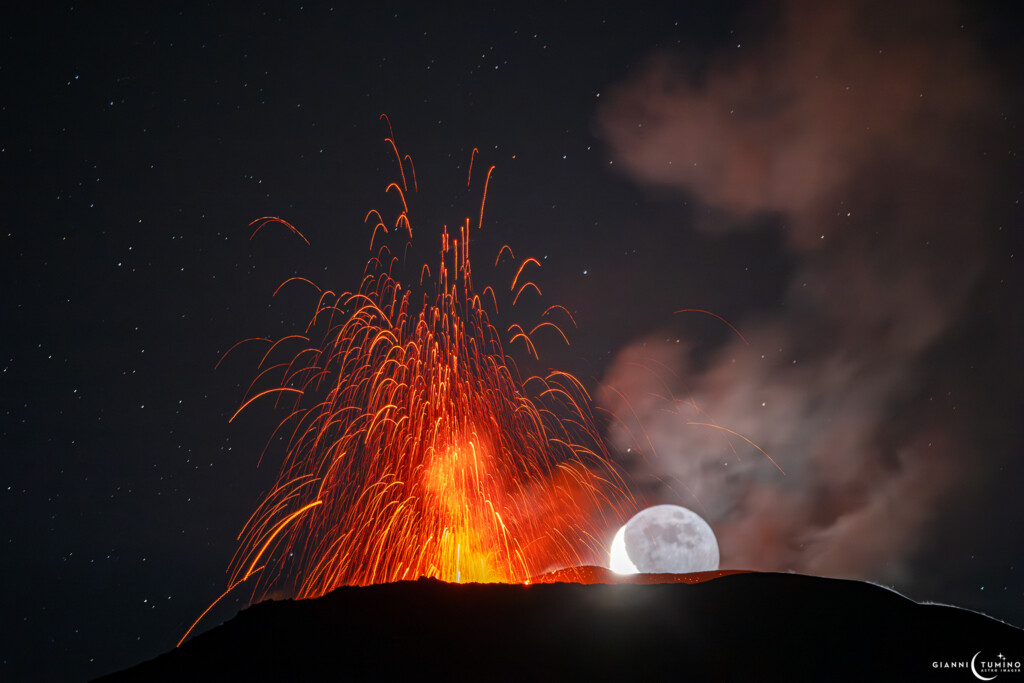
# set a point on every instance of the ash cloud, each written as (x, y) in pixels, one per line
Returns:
(864, 135)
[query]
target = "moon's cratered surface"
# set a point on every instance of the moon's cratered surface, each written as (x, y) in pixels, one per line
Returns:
(666, 539)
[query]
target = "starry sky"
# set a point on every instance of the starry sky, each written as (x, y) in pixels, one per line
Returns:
(843, 185)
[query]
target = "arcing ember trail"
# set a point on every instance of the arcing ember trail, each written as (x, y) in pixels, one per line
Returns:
(415, 449)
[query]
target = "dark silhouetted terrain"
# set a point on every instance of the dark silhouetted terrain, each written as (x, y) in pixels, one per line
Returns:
(744, 626)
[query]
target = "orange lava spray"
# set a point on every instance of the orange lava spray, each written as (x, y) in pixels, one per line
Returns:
(414, 448)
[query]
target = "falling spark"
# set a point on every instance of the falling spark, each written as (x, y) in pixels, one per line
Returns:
(414, 449)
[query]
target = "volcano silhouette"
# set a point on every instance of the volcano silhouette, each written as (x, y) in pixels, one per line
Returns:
(717, 626)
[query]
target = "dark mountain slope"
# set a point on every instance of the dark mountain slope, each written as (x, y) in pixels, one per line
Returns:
(746, 626)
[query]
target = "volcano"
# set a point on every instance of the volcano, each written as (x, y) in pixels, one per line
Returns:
(713, 626)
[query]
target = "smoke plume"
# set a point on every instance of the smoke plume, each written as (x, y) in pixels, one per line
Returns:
(863, 135)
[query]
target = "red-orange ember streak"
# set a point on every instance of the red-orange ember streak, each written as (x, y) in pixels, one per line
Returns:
(715, 315)
(419, 445)
(729, 431)
(469, 176)
(273, 219)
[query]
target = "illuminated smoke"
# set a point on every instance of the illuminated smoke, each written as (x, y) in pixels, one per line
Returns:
(861, 133)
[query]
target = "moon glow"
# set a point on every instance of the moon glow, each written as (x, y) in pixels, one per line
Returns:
(618, 560)
(664, 539)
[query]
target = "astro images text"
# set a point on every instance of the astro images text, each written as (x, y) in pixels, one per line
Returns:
(1000, 664)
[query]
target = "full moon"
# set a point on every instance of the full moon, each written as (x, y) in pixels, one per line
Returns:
(664, 539)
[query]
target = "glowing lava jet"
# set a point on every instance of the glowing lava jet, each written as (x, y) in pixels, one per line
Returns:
(415, 449)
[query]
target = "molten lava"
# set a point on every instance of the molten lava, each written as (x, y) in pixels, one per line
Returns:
(415, 449)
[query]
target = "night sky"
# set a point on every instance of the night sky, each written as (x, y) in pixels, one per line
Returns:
(842, 185)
